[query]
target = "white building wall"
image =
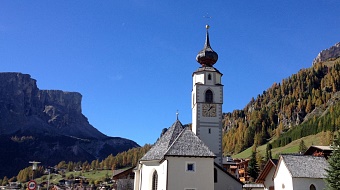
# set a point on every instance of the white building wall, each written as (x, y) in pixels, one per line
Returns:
(283, 179)
(180, 179)
(136, 183)
(194, 116)
(269, 179)
(201, 125)
(198, 78)
(225, 182)
(217, 92)
(305, 183)
(147, 171)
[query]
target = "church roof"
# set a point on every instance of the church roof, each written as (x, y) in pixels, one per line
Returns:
(305, 166)
(211, 69)
(207, 57)
(178, 141)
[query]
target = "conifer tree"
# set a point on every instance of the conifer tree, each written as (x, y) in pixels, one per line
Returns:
(268, 152)
(253, 169)
(302, 147)
(333, 172)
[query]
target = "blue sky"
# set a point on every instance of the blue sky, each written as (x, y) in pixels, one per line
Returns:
(133, 60)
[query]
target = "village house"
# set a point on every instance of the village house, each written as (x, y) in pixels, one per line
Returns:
(300, 172)
(266, 176)
(324, 151)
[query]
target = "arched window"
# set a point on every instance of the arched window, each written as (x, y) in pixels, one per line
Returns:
(154, 180)
(209, 76)
(215, 175)
(209, 96)
(312, 187)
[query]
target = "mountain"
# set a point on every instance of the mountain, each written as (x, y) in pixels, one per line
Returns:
(300, 102)
(332, 52)
(47, 126)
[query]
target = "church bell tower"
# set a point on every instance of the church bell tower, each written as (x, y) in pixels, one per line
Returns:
(207, 100)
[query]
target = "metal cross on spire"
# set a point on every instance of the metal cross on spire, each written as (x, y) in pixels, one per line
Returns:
(177, 115)
(207, 17)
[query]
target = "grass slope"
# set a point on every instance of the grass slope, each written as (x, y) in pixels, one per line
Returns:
(292, 147)
(98, 175)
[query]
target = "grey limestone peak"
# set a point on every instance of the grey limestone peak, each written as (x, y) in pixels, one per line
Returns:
(332, 52)
(178, 141)
(306, 166)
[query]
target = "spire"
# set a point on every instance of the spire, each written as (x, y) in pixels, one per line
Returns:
(207, 57)
(207, 42)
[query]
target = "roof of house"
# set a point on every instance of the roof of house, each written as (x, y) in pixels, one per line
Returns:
(319, 151)
(178, 141)
(228, 160)
(253, 185)
(323, 147)
(118, 174)
(305, 166)
(269, 165)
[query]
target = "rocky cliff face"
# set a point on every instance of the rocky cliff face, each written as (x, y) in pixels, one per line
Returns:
(48, 126)
(332, 52)
(25, 108)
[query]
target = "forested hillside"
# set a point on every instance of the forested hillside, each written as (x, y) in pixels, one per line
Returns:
(121, 160)
(297, 101)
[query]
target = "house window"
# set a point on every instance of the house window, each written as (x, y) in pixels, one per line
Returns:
(215, 175)
(312, 187)
(209, 131)
(154, 180)
(209, 76)
(209, 96)
(190, 167)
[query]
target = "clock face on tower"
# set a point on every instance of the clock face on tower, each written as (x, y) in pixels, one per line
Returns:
(209, 110)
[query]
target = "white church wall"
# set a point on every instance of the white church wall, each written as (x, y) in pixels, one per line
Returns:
(200, 96)
(194, 118)
(180, 179)
(215, 133)
(218, 78)
(136, 183)
(147, 171)
(203, 78)
(199, 78)
(305, 183)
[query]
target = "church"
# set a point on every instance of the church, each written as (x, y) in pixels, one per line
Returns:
(186, 158)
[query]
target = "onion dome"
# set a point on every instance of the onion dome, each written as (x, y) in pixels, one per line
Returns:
(207, 57)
